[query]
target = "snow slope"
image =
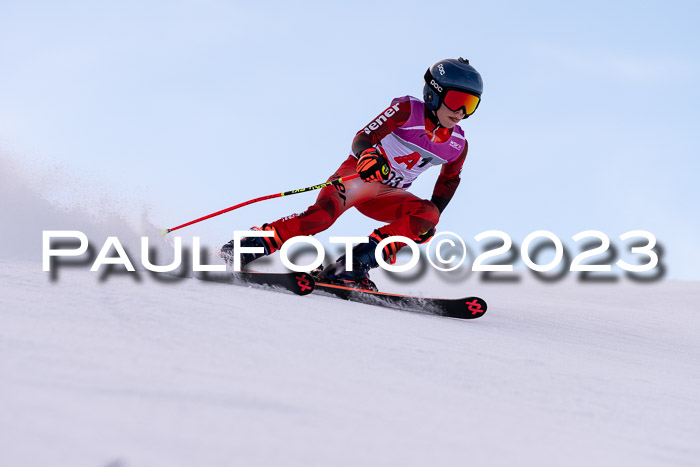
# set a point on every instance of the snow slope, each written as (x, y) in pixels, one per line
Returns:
(146, 372)
(128, 370)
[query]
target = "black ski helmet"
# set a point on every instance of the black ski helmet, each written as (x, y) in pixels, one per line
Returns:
(456, 74)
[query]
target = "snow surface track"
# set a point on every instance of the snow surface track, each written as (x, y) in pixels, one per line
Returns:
(147, 373)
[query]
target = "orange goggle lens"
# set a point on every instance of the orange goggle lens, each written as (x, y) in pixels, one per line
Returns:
(454, 100)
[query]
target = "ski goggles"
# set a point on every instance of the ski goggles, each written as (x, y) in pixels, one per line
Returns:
(455, 100)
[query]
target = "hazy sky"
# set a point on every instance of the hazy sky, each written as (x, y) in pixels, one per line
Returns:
(589, 116)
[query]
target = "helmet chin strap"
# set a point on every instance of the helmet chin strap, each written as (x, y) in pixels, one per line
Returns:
(437, 127)
(432, 115)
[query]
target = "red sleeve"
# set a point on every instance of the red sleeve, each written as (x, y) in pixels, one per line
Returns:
(390, 119)
(448, 181)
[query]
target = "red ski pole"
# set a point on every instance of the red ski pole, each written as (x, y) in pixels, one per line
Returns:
(263, 198)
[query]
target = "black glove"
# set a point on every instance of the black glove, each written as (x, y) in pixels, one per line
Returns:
(373, 166)
(440, 203)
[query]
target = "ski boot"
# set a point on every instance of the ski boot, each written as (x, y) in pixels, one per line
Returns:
(269, 245)
(363, 260)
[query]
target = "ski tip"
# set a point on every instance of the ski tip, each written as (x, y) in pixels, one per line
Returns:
(475, 307)
(304, 284)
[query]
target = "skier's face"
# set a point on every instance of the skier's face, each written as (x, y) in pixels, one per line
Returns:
(449, 118)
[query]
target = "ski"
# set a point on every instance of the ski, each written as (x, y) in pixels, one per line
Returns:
(461, 308)
(303, 284)
(299, 283)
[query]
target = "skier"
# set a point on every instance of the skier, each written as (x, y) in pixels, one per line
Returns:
(406, 139)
